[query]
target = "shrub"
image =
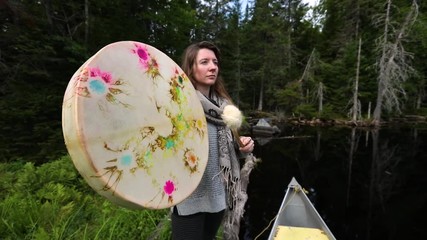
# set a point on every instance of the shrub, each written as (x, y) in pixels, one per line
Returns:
(51, 201)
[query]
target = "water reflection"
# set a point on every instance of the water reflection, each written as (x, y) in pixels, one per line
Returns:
(366, 184)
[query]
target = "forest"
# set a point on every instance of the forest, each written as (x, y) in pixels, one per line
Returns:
(342, 59)
(357, 61)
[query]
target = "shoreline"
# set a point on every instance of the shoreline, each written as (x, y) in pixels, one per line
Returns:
(401, 120)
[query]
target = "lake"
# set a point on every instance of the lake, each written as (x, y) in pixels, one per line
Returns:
(365, 183)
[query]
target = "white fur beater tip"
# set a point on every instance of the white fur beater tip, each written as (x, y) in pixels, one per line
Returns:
(232, 116)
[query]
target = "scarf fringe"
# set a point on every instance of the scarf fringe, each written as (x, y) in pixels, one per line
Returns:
(235, 214)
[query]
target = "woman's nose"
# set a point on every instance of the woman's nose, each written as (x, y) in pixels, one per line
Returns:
(213, 66)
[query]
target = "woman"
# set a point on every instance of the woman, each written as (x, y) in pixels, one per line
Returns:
(200, 215)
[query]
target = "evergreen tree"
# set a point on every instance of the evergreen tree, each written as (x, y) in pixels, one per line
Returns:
(229, 41)
(265, 55)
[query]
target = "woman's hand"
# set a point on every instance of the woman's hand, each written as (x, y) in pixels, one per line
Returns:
(248, 144)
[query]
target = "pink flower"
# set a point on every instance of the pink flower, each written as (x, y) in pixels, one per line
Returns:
(106, 77)
(141, 52)
(95, 72)
(169, 187)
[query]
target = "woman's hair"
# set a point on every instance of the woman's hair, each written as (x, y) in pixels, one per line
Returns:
(188, 63)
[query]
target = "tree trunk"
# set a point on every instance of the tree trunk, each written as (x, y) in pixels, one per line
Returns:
(307, 75)
(356, 85)
(380, 91)
(419, 100)
(261, 95)
(239, 63)
(378, 106)
(288, 36)
(369, 110)
(86, 22)
(393, 66)
(47, 6)
(320, 94)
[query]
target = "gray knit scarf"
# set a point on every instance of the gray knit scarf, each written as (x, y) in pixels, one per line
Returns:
(230, 167)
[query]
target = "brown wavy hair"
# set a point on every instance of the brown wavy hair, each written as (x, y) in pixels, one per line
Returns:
(188, 63)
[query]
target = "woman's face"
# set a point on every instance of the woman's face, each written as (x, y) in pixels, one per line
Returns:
(205, 70)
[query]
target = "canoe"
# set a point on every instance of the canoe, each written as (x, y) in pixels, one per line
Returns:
(298, 219)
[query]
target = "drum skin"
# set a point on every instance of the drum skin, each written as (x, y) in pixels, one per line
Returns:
(134, 127)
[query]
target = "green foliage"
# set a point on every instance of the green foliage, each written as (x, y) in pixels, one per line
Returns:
(32, 95)
(423, 111)
(329, 112)
(42, 44)
(289, 97)
(52, 201)
(307, 111)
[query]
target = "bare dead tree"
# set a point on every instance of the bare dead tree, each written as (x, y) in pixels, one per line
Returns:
(261, 95)
(308, 72)
(319, 95)
(308, 76)
(369, 110)
(393, 66)
(420, 95)
(355, 111)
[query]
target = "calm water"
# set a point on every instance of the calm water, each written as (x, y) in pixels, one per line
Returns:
(365, 184)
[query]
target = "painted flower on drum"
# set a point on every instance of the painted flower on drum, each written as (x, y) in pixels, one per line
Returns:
(99, 81)
(146, 60)
(105, 76)
(176, 86)
(164, 143)
(81, 81)
(200, 126)
(191, 160)
(169, 188)
(92, 81)
(180, 124)
(142, 52)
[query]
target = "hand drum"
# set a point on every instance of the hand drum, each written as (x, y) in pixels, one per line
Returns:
(134, 127)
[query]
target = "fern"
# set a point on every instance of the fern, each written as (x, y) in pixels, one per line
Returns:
(52, 201)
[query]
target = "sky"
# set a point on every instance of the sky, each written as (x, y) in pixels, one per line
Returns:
(310, 2)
